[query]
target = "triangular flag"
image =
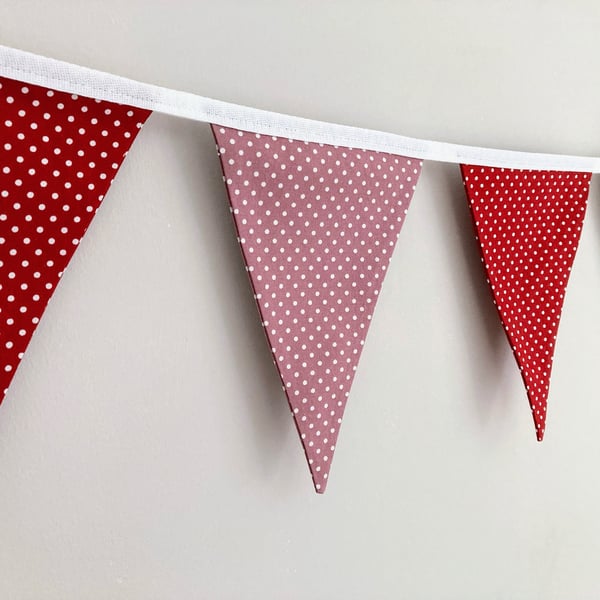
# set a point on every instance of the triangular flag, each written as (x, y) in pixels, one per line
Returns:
(58, 156)
(528, 224)
(317, 226)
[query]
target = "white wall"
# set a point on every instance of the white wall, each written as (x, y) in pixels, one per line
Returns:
(146, 449)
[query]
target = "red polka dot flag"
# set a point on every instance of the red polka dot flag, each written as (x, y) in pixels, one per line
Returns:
(60, 153)
(317, 226)
(528, 225)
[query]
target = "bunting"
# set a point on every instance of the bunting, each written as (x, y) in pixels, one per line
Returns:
(317, 207)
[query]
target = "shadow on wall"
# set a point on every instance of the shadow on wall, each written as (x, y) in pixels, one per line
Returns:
(490, 364)
(249, 353)
(490, 367)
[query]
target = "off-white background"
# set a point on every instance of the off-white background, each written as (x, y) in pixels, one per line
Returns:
(146, 449)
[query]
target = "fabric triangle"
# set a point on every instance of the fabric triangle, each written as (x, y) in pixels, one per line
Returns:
(58, 156)
(528, 224)
(317, 226)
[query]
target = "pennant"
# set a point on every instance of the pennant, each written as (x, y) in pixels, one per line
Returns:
(59, 154)
(317, 226)
(528, 225)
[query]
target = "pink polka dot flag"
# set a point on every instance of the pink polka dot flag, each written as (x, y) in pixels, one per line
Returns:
(528, 225)
(59, 155)
(317, 226)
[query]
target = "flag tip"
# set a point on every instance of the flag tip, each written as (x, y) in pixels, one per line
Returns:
(320, 488)
(320, 484)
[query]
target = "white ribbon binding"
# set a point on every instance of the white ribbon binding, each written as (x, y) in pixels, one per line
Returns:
(66, 77)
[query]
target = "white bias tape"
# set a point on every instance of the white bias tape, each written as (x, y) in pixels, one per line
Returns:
(66, 77)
